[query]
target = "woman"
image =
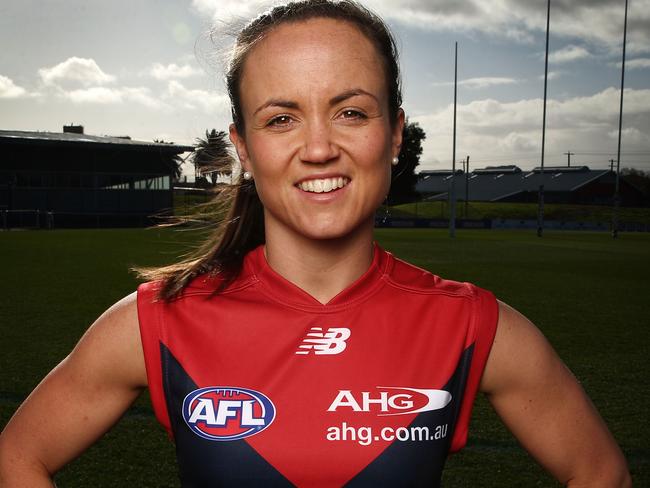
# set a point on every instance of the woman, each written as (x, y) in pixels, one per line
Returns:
(293, 350)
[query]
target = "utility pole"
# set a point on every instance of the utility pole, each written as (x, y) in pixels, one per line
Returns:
(569, 154)
(467, 188)
(617, 195)
(611, 165)
(540, 207)
(452, 192)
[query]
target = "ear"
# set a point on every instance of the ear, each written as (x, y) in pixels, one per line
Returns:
(240, 146)
(398, 131)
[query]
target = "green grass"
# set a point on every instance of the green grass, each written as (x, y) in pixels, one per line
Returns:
(586, 291)
(522, 211)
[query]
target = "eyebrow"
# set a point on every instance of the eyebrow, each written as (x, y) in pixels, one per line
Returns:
(278, 102)
(349, 94)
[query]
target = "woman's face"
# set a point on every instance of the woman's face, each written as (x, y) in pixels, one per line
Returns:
(318, 136)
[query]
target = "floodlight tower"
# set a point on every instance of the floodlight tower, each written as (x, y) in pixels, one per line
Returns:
(452, 190)
(540, 208)
(617, 195)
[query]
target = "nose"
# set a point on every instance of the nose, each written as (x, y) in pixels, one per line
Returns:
(318, 146)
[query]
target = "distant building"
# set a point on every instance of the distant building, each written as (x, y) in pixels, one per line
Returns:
(72, 179)
(562, 184)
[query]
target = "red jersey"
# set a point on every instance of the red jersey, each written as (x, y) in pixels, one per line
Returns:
(262, 385)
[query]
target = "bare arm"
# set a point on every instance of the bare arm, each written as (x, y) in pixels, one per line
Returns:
(543, 405)
(78, 400)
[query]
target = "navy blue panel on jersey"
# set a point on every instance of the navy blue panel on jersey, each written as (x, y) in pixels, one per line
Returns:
(203, 463)
(409, 463)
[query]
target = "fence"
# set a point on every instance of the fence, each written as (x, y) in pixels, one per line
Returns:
(422, 223)
(40, 219)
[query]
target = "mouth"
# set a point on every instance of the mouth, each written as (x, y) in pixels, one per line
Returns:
(323, 185)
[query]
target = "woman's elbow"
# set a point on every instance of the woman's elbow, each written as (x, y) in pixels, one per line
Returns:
(17, 471)
(606, 475)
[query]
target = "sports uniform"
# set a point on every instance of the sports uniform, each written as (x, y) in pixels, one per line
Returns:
(262, 385)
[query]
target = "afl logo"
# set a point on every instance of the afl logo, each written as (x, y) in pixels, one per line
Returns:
(226, 413)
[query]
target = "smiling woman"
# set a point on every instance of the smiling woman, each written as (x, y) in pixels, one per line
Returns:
(317, 96)
(292, 350)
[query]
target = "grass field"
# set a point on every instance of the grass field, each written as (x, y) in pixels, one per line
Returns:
(587, 292)
(522, 211)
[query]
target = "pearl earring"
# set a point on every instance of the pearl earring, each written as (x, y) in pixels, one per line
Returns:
(395, 161)
(248, 175)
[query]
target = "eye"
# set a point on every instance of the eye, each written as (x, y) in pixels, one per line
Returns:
(352, 114)
(280, 121)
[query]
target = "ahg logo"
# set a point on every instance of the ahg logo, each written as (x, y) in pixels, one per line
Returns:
(329, 342)
(392, 400)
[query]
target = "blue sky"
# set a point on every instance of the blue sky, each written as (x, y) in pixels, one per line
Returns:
(147, 69)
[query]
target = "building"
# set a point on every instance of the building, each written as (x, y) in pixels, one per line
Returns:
(72, 179)
(562, 184)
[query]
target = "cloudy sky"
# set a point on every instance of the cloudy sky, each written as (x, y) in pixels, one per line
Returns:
(147, 69)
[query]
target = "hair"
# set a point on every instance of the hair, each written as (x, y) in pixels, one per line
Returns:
(242, 229)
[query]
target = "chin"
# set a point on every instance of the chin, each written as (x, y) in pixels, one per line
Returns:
(332, 230)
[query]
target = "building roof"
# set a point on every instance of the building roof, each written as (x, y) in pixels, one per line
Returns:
(67, 138)
(490, 184)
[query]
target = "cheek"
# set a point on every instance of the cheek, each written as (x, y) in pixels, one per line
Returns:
(264, 159)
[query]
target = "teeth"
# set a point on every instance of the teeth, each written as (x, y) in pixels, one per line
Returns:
(323, 185)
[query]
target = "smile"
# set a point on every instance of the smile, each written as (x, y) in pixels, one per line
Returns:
(324, 185)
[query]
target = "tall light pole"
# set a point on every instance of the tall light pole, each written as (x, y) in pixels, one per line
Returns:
(467, 187)
(540, 208)
(452, 191)
(617, 195)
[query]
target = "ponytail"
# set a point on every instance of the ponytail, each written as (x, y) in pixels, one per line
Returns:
(240, 228)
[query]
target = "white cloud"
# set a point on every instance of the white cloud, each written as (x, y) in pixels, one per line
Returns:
(631, 134)
(231, 10)
(639, 63)
(567, 54)
(8, 89)
(552, 75)
(143, 96)
(495, 131)
(193, 99)
(105, 96)
(598, 21)
(477, 83)
(171, 71)
(487, 82)
(79, 70)
(96, 94)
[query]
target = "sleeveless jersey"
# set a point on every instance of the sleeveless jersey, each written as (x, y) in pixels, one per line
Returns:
(262, 385)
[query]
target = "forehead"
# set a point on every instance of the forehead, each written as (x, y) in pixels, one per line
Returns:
(309, 56)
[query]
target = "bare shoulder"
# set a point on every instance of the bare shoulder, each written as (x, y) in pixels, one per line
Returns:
(517, 342)
(113, 341)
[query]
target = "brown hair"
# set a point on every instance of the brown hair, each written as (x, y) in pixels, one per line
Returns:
(242, 229)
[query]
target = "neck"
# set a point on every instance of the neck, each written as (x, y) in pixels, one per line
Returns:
(322, 268)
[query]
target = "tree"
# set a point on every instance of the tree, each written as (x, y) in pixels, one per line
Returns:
(175, 160)
(211, 157)
(637, 178)
(402, 188)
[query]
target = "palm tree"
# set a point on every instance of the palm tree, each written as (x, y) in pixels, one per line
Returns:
(175, 160)
(211, 156)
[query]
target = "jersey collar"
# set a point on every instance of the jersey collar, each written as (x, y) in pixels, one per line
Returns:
(280, 289)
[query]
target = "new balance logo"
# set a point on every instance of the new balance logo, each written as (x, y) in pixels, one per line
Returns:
(332, 341)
